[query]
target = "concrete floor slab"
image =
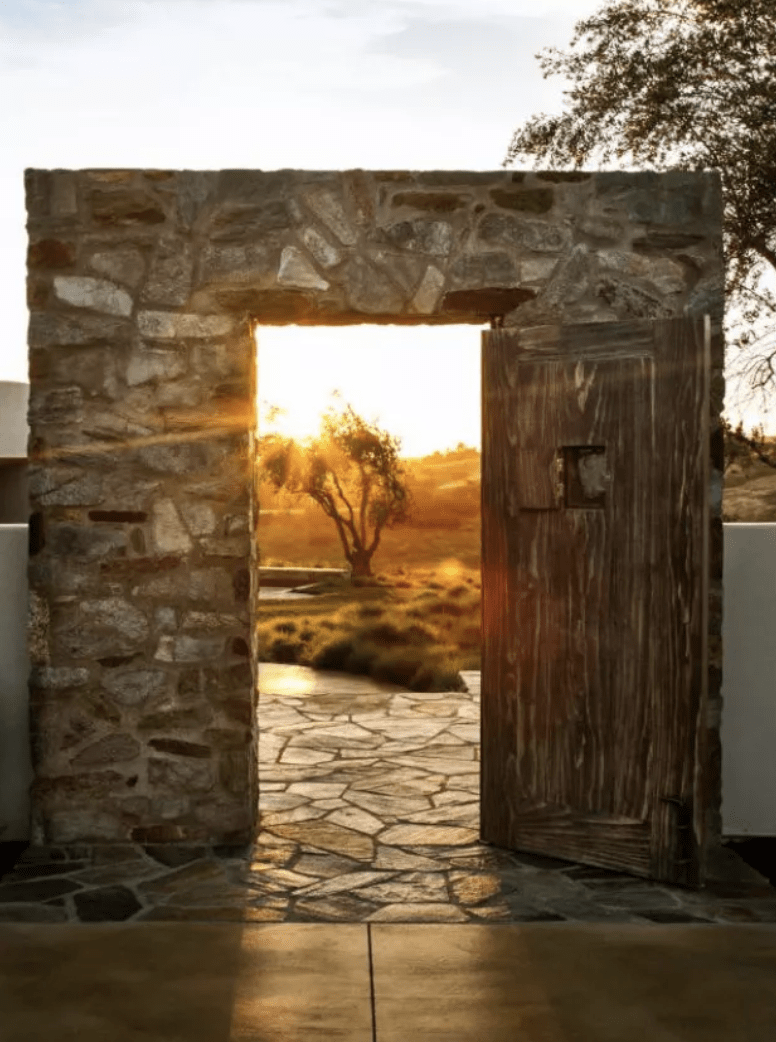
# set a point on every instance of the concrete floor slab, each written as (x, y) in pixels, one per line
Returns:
(205, 982)
(562, 982)
(288, 982)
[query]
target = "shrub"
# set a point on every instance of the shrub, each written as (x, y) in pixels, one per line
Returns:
(448, 608)
(386, 633)
(285, 651)
(332, 655)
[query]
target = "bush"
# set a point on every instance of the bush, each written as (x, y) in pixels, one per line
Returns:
(332, 655)
(285, 651)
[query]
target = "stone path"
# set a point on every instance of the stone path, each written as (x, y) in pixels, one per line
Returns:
(369, 812)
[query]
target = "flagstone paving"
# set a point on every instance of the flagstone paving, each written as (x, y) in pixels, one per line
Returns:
(369, 812)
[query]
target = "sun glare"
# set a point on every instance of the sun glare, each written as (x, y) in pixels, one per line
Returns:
(420, 383)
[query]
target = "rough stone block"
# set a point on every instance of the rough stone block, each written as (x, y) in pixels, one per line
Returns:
(230, 738)
(226, 819)
(538, 236)
(484, 269)
(331, 212)
(114, 748)
(242, 223)
(169, 280)
(149, 364)
(570, 279)
(322, 251)
(233, 771)
(210, 620)
(176, 719)
(83, 825)
(227, 546)
(82, 291)
(630, 300)
(64, 194)
(92, 783)
(667, 275)
(707, 297)
(179, 458)
(236, 524)
(368, 290)
(531, 200)
(84, 543)
(51, 253)
(166, 620)
(189, 649)
(59, 678)
(168, 531)
(181, 394)
(60, 406)
(537, 269)
(296, 270)
(182, 775)
(66, 486)
(253, 263)
(212, 585)
(125, 207)
(419, 236)
(602, 228)
(133, 687)
(168, 325)
(87, 330)
(200, 518)
(436, 202)
(98, 628)
(429, 292)
(194, 190)
(125, 266)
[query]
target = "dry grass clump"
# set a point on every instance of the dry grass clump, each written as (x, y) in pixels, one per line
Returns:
(419, 630)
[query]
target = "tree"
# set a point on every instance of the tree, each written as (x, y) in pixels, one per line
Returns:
(351, 466)
(682, 84)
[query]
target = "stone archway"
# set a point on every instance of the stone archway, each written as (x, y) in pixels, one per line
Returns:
(143, 287)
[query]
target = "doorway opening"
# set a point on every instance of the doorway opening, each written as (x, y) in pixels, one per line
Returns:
(368, 717)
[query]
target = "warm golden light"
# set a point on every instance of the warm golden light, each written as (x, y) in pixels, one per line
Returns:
(420, 383)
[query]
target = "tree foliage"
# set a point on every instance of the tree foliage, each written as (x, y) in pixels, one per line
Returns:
(681, 84)
(747, 448)
(352, 471)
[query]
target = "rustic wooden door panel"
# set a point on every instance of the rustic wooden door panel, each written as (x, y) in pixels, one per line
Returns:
(594, 485)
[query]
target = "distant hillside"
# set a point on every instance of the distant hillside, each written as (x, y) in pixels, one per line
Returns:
(446, 488)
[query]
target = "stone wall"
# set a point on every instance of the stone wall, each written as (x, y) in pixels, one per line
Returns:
(143, 289)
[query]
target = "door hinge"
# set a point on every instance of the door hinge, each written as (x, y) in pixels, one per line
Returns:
(683, 828)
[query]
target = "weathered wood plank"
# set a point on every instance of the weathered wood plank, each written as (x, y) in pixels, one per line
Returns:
(593, 599)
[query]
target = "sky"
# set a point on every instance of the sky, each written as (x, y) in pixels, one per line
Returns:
(273, 84)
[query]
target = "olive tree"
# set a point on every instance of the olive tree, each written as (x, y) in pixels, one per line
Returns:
(351, 471)
(682, 84)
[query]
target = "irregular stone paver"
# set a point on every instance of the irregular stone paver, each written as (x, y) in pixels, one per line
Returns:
(368, 810)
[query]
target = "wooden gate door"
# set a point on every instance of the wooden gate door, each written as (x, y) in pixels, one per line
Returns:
(595, 593)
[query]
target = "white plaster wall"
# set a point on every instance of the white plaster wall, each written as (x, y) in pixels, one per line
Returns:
(748, 730)
(13, 419)
(15, 764)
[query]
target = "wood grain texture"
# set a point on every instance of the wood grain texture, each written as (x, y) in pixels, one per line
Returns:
(592, 615)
